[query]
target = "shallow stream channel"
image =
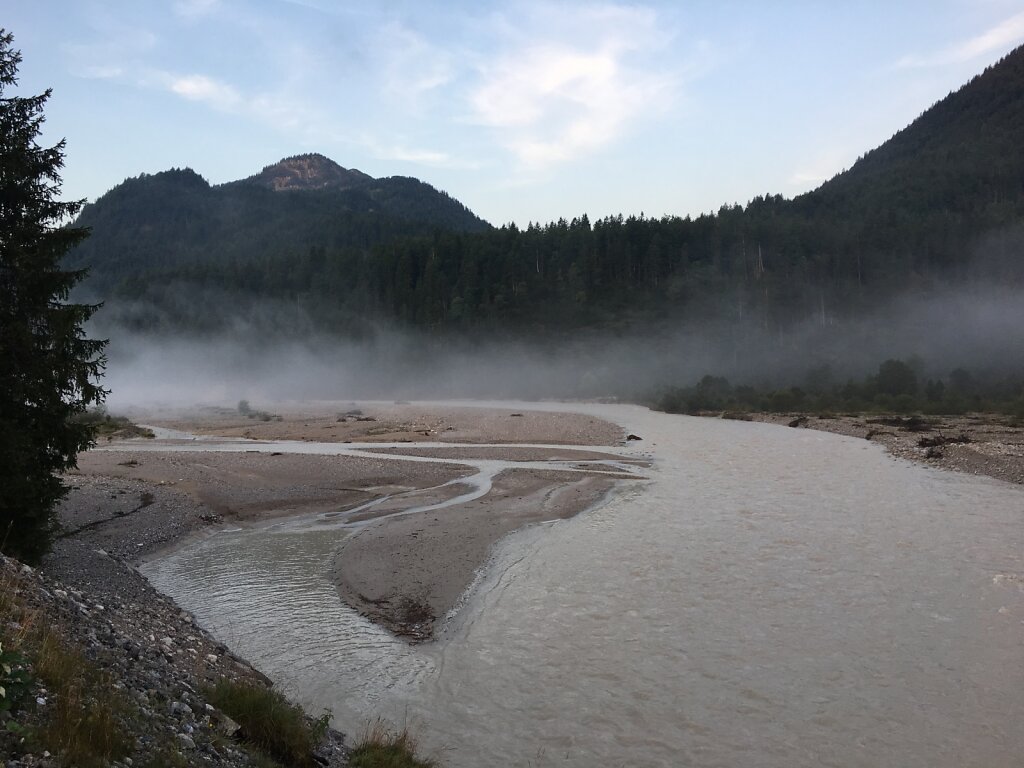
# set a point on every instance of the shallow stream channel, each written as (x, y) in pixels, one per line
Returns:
(763, 597)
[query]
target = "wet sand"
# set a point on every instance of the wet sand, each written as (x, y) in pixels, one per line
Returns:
(403, 571)
(250, 487)
(407, 573)
(341, 422)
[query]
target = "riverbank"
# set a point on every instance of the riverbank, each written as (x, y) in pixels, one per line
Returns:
(403, 572)
(108, 671)
(379, 422)
(696, 468)
(976, 444)
(128, 503)
(133, 502)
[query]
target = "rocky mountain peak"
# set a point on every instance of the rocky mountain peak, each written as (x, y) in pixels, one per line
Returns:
(311, 171)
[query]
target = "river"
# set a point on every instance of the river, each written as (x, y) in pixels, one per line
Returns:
(768, 597)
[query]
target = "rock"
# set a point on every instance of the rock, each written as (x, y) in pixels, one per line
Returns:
(226, 726)
(186, 741)
(631, 436)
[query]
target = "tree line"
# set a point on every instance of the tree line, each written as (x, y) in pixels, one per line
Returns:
(897, 386)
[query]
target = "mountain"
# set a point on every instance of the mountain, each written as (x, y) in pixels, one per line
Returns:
(939, 204)
(313, 171)
(175, 219)
(953, 174)
(963, 152)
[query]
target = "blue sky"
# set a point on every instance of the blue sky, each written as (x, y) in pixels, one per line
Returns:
(524, 111)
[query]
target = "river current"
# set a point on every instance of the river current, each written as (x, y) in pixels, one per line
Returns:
(767, 597)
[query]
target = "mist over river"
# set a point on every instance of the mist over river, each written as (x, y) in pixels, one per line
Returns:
(767, 597)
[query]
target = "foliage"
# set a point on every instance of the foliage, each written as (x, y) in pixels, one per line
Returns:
(381, 747)
(892, 389)
(269, 722)
(174, 220)
(84, 720)
(895, 378)
(105, 425)
(15, 678)
(48, 369)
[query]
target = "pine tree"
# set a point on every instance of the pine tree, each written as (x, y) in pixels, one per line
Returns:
(48, 369)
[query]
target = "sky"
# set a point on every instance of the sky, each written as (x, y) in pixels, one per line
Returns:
(524, 111)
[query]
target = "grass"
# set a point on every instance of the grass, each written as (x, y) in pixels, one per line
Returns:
(382, 747)
(83, 720)
(87, 723)
(269, 721)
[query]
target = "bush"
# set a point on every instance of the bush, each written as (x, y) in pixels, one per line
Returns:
(381, 747)
(103, 424)
(270, 722)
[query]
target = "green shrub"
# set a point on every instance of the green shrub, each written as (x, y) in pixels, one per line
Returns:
(381, 747)
(269, 721)
(15, 678)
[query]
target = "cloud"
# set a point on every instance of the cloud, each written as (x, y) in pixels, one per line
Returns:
(100, 72)
(825, 164)
(553, 97)
(1000, 37)
(419, 156)
(277, 109)
(412, 66)
(116, 49)
(207, 90)
(192, 9)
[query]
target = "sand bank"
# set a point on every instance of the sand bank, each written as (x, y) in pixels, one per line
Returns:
(389, 423)
(405, 571)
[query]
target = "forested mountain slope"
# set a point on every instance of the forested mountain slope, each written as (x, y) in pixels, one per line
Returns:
(175, 219)
(940, 203)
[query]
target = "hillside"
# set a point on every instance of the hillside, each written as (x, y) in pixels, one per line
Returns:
(176, 219)
(941, 203)
(313, 171)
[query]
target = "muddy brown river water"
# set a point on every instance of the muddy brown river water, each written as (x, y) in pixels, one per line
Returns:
(768, 597)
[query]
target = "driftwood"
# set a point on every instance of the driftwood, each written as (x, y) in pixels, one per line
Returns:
(939, 440)
(906, 424)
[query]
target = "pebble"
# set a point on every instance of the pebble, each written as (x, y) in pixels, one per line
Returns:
(186, 741)
(104, 608)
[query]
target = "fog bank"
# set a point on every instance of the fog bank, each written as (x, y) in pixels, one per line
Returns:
(981, 329)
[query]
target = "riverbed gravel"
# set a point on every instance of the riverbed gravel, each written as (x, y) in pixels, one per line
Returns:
(89, 590)
(976, 444)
